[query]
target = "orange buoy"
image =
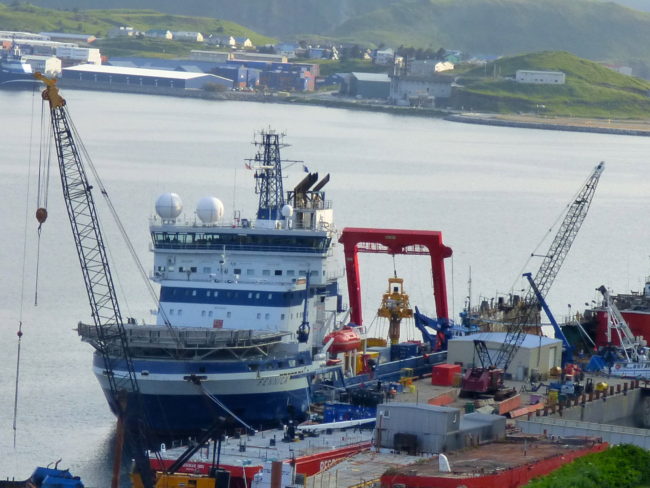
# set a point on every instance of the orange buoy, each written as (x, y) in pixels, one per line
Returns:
(41, 215)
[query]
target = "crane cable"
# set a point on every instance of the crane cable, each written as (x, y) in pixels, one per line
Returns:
(43, 188)
(24, 263)
(122, 230)
(559, 218)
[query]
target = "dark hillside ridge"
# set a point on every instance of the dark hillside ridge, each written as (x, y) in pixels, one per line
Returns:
(592, 29)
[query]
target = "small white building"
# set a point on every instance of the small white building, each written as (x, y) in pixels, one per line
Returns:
(243, 43)
(159, 34)
(225, 41)
(122, 31)
(79, 55)
(187, 36)
(427, 67)
(48, 65)
(383, 56)
(540, 77)
(536, 353)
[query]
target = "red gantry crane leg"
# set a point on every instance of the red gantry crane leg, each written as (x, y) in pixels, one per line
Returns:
(394, 241)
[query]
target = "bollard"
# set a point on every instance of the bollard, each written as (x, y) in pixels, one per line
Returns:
(591, 396)
(597, 394)
(611, 390)
(618, 388)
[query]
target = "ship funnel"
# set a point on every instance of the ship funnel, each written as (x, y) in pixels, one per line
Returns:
(306, 183)
(322, 183)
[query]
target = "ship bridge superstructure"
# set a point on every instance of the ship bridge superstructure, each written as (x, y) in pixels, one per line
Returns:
(267, 273)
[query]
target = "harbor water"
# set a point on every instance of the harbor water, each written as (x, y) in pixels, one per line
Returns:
(493, 192)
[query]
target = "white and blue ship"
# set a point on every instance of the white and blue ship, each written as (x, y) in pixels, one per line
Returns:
(244, 304)
(244, 310)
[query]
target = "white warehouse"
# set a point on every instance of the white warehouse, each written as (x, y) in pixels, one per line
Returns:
(540, 77)
(535, 354)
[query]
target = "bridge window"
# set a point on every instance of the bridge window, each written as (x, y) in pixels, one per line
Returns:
(278, 272)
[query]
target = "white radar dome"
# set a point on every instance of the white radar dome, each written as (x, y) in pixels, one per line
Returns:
(169, 206)
(209, 210)
(287, 211)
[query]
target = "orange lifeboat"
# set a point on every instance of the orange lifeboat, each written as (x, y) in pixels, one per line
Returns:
(345, 339)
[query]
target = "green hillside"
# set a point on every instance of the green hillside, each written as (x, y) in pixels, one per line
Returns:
(25, 17)
(591, 90)
(593, 29)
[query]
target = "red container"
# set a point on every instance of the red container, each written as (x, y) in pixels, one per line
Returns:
(443, 374)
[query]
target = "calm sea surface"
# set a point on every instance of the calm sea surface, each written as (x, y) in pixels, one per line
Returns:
(493, 192)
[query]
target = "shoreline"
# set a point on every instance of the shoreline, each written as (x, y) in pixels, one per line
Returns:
(568, 124)
(579, 125)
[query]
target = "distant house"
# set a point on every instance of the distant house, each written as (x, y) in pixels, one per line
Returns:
(122, 31)
(287, 49)
(317, 53)
(427, 67)
(67, 37)
(383, 56)
(224, 41)
(540, 77)
(243, 43)
(187, 36)
(159, 34)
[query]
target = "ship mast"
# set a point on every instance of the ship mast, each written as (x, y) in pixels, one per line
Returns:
(268, 177)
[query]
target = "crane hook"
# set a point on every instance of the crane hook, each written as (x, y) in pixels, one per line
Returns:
(41, 215)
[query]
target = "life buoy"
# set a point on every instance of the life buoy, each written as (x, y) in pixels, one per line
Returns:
(618, 366)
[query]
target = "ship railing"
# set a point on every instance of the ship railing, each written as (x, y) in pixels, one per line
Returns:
(238, 247)
(316, 204)
(190, 337)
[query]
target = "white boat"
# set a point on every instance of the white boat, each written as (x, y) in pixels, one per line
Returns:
(244, 304)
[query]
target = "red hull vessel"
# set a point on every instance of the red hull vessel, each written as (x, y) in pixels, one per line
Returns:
(635, 309)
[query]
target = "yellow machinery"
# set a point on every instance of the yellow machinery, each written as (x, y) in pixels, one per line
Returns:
(177, 480)
(395, 307)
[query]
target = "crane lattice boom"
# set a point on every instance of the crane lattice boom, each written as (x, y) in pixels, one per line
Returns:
(547, 272)
(567, 232)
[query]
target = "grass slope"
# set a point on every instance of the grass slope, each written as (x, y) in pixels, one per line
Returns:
(591, 90)
(25, 17)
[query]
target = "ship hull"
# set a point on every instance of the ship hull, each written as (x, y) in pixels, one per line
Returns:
(175, 404)
(637, 320)
(17, 81)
